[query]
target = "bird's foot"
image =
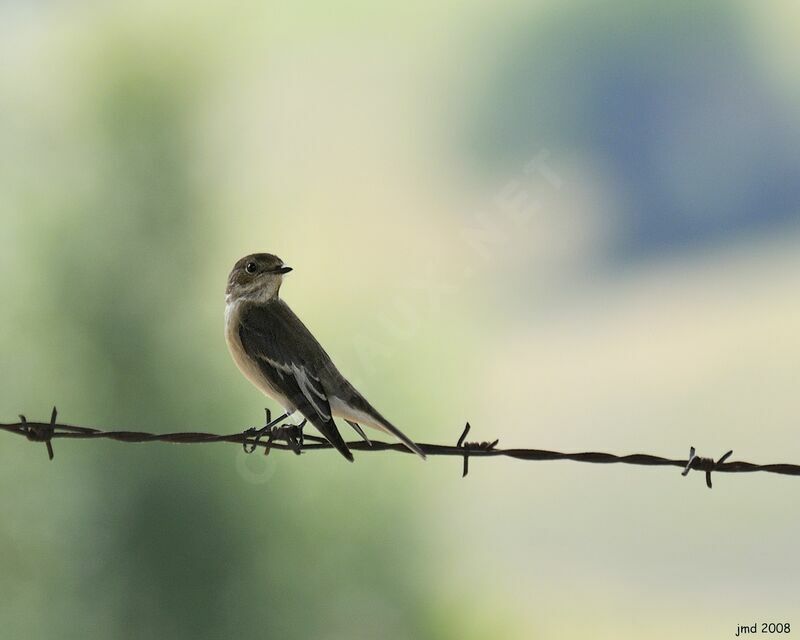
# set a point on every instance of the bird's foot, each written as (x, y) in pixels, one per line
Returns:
(275, 430)
(292, 433)
(258, 433)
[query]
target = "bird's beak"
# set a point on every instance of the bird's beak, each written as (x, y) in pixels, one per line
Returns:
(283, 270)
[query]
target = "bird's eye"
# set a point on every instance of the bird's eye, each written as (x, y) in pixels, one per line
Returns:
(251, 267)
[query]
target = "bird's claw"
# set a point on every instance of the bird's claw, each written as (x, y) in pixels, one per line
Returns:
(259, 433)
(291, 433)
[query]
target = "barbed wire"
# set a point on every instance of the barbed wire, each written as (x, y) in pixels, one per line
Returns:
(298, 442)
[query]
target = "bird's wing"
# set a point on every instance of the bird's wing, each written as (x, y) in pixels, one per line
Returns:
(291, 360)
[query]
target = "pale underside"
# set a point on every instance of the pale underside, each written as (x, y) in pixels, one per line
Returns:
(252, 372)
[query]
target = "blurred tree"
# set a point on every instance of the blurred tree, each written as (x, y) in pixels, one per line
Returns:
(669, 101)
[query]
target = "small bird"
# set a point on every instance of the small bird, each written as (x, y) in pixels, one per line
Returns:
(280, 356)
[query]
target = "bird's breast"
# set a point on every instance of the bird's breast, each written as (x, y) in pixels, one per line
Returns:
(246, 364)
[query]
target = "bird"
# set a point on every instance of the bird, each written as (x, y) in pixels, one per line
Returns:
(277, 353)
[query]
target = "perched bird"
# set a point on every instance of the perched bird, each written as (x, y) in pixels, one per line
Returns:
(280, 356)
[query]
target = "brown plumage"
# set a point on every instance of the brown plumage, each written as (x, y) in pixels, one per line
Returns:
(278, 354)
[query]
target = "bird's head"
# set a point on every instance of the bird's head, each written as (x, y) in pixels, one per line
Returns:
(257, 277)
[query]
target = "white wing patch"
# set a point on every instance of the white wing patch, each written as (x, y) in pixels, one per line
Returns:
(310, 390)
(280, 366)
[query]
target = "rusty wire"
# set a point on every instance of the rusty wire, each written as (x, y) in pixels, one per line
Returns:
(46, 432)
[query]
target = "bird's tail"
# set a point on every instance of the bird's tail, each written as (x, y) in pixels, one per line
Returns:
(357, 409)
(388, 427)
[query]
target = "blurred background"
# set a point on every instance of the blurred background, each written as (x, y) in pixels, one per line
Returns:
(576, 226)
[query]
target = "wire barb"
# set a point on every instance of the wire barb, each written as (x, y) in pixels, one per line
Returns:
(299, 442)
(472, 446)
(39, 432)
(274, 430)
(704, 464)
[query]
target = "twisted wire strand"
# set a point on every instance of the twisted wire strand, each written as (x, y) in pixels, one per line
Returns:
(46, 432)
